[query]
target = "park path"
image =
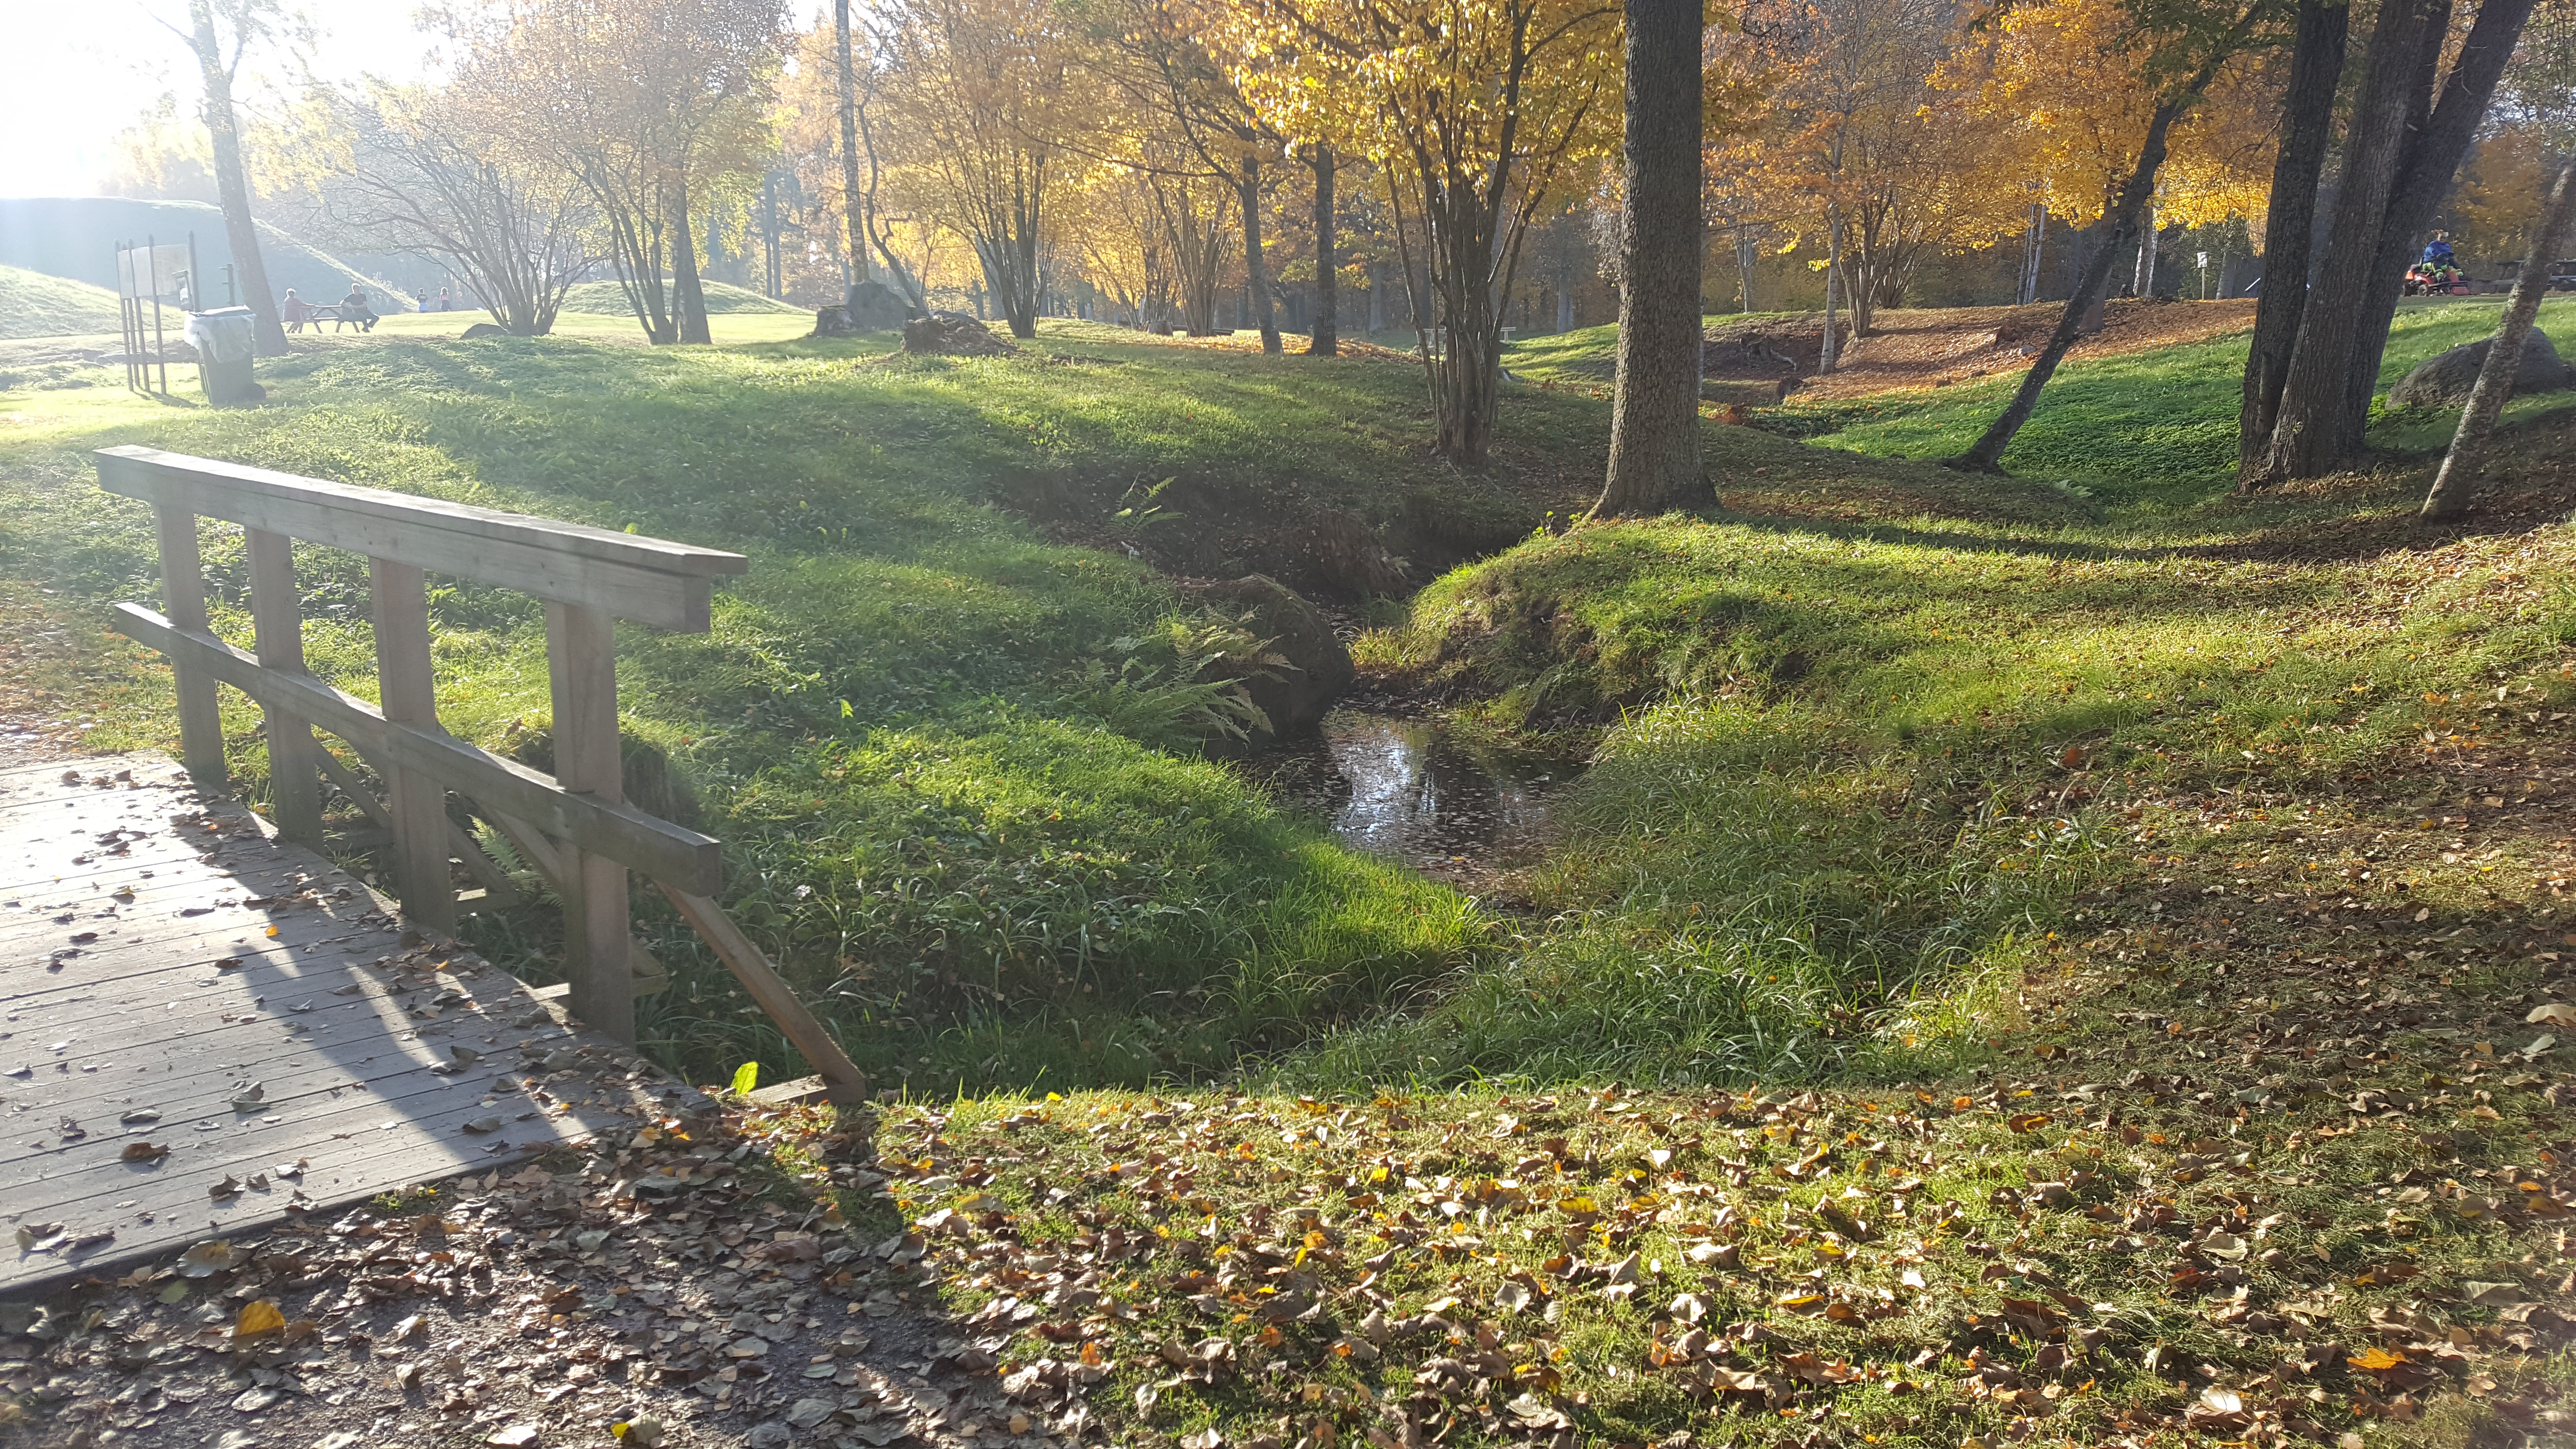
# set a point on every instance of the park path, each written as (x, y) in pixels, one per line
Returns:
(205, 1030)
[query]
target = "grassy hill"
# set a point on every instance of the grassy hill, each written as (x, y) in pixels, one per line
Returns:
(722, 297)
(2026, 963)
(77, 237)
(35, 305)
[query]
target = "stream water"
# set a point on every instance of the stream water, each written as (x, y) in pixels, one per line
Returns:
(1409, 790)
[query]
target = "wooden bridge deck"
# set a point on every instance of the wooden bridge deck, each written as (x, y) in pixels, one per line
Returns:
(204, 1029)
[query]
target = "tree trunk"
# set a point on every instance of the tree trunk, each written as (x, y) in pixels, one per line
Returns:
(2123, 223)
(1324, 334)
(231, 185)
(688, 294)
(1743, 269)
(2436, 142)
(853, 214)
(1256, 270)
(1833, 277)
(2146, 280)
(2458, 481)
(1655, 460)
(2289, 229)
(2311, 434)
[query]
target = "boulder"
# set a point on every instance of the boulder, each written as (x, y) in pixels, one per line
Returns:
(876, 308)
(1319, 666)
(483, 329)
(952, 334)
(2447, 380)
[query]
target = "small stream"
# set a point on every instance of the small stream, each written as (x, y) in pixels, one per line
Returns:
(1408, 790)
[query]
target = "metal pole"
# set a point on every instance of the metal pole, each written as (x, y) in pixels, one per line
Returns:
(160, 348)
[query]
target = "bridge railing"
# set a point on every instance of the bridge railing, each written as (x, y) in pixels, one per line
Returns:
(573, 826)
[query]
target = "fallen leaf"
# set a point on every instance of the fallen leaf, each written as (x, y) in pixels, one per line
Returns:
(208, 1258)
(516, 1436)
(2555, 1013)
(143, 1152)
(258, 1318)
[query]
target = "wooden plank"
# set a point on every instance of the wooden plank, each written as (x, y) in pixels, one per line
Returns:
(655, 846)
(650, 580)
(277, 621)
(183, 593)
(415, 799)
(848, 1084)
(140, 1018)
(581, 654)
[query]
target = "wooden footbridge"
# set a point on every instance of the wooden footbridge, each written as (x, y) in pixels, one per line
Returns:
(211, 1025)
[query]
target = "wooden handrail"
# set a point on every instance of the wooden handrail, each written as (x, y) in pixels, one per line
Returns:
(649, 580)
(573, 823)
(650, 844)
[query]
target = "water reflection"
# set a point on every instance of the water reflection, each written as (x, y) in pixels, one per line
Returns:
(1405, 788)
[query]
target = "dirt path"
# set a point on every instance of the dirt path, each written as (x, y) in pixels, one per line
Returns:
(1926, 347)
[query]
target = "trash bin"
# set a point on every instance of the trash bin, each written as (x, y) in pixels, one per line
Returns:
(225, 339)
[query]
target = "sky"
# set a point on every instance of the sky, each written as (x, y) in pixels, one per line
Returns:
(75, 73)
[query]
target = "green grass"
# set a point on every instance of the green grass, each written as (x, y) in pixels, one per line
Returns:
(978, 881)
(729, 329)
(1588, 356)
(723, 299)
(2152, 427)
(1844, 722)
(33, 304)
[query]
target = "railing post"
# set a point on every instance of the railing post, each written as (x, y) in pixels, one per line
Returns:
(581, 653)
(277, 618)
(407, 693)
(183, 596)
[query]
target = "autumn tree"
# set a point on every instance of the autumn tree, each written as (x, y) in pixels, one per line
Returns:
(2099, 92)
(648, 104)
(978, 96)
(218, 33)
(1861, 144)
(1472, 113)
(424, 169)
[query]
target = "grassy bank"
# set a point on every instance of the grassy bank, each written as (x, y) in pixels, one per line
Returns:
(35, 305)
(900, 721)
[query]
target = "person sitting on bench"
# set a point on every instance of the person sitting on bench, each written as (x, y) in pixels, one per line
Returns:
(294, 311)
(354, 308)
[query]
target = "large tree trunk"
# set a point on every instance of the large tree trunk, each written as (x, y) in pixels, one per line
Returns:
(1256, 270)
(1324, 337)
(853, 215)
(2122, 223)
(2458, 481)
(2436, 142)
(1654, 415)
(2289, 229)
(2311, 435)
(232, 187)
(688, 294)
